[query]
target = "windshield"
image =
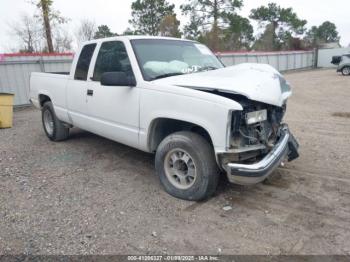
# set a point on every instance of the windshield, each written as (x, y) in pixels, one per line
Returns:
(159, 58)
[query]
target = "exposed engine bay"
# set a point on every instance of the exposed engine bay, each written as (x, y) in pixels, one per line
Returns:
(264, 132)
(252, 141)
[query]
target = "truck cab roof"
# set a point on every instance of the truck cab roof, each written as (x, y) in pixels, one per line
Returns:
(134, 37)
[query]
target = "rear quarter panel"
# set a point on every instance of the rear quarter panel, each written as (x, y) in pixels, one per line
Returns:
(53, 86)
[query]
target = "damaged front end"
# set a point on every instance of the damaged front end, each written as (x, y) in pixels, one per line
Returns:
(258, 142)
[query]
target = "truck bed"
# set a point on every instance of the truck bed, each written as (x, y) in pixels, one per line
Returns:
(51, 84)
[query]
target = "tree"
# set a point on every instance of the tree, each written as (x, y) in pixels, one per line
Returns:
(29, 33)
(148, 14)
(325, 33)
(48, 17)
(62, 41)
(212, 15)
(104, 31)
(239, 34)
(86, 30)
(266, 39)
(311, 38)
(328, 33)
(170, 26)
(45, 8)
(193, 30)
(32, 36)
(289, 42)
(282, 19)
(129, 31)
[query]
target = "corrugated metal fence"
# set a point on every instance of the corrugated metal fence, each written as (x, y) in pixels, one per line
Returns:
(282, 61)
(15, 69)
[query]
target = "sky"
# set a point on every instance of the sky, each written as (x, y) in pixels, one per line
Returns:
(116, 13)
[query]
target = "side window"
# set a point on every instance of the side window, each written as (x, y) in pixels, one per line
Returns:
(84, 60)
(112, 57)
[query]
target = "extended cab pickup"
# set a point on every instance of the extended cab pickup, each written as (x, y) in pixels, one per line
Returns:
(174, 98)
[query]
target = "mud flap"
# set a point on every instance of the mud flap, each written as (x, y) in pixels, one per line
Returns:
(293, 148)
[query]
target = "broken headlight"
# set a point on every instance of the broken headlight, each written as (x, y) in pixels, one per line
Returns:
(256, 117)
(285, 87)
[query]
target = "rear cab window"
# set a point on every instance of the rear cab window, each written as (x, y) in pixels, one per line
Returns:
(83, 64)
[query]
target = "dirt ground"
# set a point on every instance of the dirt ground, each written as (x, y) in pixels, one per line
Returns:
(89, 195)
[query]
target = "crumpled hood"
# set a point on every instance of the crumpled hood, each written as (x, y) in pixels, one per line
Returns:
(259, 82)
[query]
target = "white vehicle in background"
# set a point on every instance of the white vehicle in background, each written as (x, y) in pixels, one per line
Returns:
(173, 98)
(343, 63)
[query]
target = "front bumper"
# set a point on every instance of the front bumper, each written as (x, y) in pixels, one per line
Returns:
(248, 174)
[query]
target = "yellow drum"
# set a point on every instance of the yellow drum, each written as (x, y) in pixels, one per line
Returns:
(6, 110)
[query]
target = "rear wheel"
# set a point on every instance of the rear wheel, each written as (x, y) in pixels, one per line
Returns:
(185, 163)
(346, 71)
(53, 127)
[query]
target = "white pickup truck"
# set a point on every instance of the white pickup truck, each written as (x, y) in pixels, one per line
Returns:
(174, 98)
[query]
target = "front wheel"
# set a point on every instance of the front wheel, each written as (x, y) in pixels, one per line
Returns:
(185, 163)
(346, 71)
(53, 127)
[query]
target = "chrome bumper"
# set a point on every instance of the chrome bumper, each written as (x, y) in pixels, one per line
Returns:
(248, 174)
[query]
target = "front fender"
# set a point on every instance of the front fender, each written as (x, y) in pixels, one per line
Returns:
(210, 115)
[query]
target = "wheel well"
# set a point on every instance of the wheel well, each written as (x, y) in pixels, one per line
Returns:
(162, 127)
(43, 99)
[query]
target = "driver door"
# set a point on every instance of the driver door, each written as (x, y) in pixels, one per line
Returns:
(114, 110)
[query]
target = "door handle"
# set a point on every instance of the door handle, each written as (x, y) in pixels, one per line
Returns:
(90, 92)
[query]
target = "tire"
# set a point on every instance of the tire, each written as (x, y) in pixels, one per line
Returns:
(53, 127)
(346, 71)
(194, 174)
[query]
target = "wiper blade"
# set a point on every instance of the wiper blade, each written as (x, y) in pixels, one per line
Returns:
(167, 75)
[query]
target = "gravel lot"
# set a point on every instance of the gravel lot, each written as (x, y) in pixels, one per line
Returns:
(89, 195)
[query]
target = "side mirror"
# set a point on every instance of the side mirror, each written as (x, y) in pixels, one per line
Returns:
(117, 79)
